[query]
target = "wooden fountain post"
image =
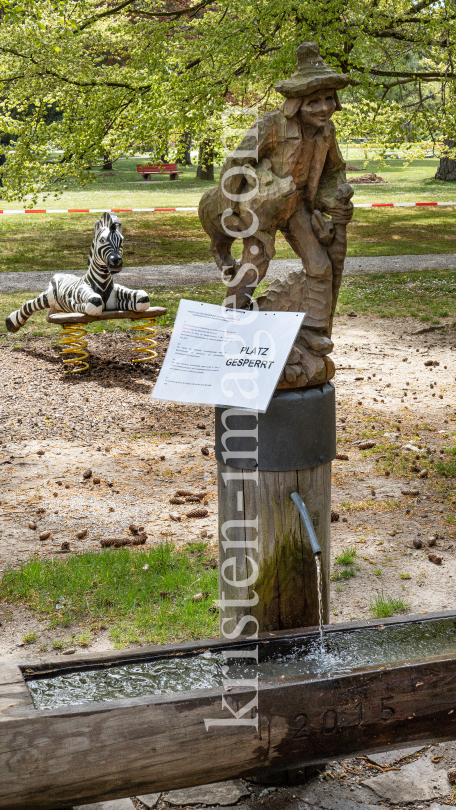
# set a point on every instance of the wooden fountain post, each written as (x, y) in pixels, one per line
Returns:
(267, 567)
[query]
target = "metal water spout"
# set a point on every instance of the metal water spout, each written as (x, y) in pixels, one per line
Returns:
(307, 523)
(315, 545)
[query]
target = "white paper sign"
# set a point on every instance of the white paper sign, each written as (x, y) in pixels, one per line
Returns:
(226, 357)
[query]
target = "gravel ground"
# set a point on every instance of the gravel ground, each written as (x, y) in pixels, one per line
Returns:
(54, 427)
(173, 275)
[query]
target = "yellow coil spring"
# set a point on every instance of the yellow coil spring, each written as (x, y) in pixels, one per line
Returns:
(147, 351)
(72, 337)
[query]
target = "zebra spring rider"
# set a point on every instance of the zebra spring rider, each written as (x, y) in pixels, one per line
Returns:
(90, 295)
(95, 291)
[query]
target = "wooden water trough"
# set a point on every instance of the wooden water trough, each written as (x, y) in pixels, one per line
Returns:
(77, 754)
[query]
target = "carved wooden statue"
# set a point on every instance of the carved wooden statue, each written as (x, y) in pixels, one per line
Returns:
(301, 190)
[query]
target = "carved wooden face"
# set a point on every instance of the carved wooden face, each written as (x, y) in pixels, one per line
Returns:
(317, 109)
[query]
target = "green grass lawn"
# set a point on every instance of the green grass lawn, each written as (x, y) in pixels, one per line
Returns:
(144, 597)
(428, 295)
(402, 231)
(413, 183)
(61, 242)
(124, 188)
(54, 242)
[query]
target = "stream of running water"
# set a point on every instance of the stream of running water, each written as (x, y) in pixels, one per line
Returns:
(320, 601)
(343, 652)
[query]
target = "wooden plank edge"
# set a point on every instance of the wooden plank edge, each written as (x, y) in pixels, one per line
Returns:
(192, 647)
(106, 315)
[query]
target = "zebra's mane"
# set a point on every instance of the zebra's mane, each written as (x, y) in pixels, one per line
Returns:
(110, 220)
(107, 220)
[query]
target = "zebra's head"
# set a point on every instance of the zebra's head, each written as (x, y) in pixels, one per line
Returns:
(107, 244)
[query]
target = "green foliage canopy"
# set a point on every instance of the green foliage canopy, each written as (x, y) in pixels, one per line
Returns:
(88, 78)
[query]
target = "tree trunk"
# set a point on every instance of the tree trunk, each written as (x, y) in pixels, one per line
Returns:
(107, 163)
(447, 167)
(2, 162)
(205, 170)
(185, 142)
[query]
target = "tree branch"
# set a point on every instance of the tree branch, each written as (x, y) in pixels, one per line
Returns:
(90, 83)
(108, 13)
(396, 84)
(418, 7)
(420, 102)
(407, 17)
(415, 75)
(390, 33)
(151, 15)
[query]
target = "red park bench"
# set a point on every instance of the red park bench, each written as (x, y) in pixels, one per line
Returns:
(158, 168)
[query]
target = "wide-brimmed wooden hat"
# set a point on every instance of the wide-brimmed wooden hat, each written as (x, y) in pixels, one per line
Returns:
(312, 73)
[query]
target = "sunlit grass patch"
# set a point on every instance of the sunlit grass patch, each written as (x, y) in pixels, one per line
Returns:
(421, 294)
(447, 468)
(58, 644)
(382, 607)
(123, 188)
(346, 573)
(141, 596)
(402, 463)
(346, 557)
(425, 294)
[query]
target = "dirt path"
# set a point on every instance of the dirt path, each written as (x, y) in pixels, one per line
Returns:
(388, 394)
(53, 428)
(173, 275)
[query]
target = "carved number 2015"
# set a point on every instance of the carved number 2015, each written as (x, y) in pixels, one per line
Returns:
(330, 718)
(329, 721)
(303, 731)
(387, 712)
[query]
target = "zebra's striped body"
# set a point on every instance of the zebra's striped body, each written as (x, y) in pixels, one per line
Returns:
(95, 291)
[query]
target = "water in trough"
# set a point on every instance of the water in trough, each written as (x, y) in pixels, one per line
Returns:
(343, 652)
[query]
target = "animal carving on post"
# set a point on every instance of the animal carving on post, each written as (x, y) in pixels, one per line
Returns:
(291, 173)
(94, 292)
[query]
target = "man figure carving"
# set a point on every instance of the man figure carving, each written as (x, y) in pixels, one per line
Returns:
(298, 186)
